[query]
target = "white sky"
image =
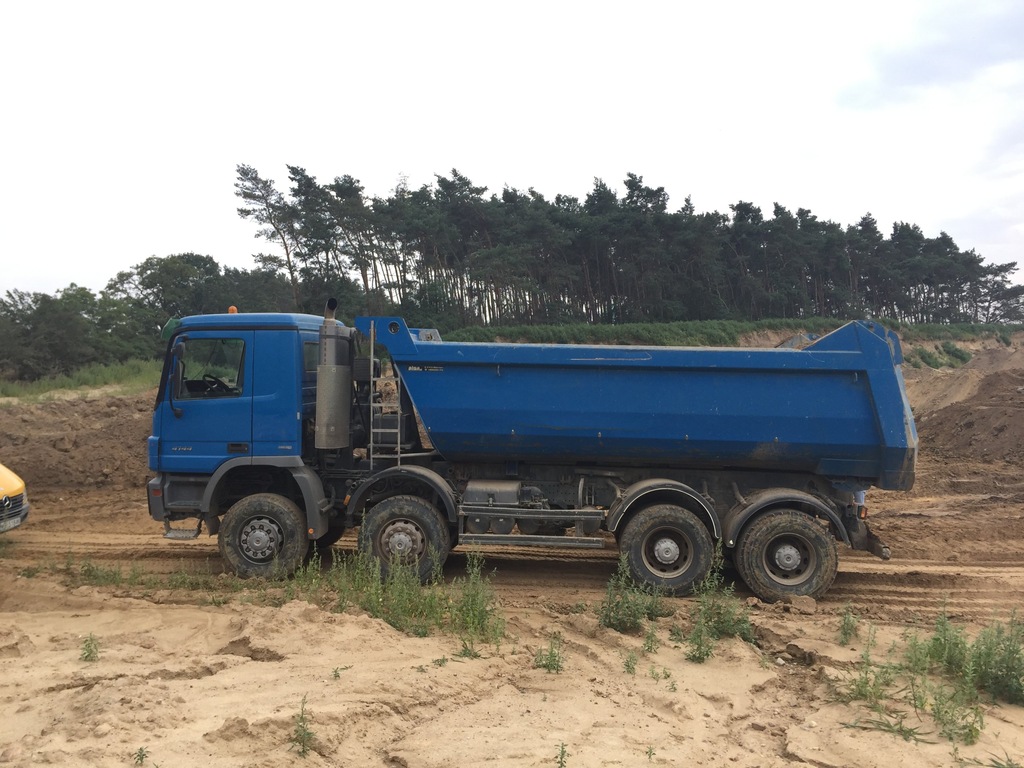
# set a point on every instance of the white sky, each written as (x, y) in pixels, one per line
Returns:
(122, 122)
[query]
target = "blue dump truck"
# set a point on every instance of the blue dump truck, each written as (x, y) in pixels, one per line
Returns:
(279, 432)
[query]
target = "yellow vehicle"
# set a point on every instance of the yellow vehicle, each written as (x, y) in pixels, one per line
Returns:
(13, 500)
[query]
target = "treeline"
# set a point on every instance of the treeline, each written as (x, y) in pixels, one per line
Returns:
(449, 256)
(450, 253)
(47, 335)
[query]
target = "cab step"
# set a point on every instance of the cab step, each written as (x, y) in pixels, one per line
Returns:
(182, 533)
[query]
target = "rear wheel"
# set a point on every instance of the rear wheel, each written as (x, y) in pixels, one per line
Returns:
(667, 547)
(406, 530)
(785, 553)
(263, 535)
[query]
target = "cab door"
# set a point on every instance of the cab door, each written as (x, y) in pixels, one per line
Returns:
(206, 410)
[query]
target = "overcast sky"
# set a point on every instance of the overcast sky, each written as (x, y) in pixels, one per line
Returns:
(123, 122)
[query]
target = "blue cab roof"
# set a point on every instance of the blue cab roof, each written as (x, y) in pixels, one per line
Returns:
(253, 319)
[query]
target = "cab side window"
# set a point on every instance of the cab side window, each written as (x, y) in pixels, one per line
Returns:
(212, 368)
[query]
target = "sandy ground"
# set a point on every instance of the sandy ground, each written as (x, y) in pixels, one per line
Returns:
(217, 677)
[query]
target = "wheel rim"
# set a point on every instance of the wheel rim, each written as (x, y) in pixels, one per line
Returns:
(789, 559)
(261, 539)
(667, 552)
(402, 540)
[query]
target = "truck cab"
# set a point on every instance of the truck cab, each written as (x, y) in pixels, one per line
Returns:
(233, 413)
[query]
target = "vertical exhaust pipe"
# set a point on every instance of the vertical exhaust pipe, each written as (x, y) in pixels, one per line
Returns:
(334, 383)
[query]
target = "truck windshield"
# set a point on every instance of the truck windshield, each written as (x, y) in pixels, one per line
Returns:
(212, 368)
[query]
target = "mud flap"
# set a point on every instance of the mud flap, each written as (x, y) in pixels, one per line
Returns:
(864, 539)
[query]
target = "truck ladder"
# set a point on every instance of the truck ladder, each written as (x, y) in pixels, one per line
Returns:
(380, 409)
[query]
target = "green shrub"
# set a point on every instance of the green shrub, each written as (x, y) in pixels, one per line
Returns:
(928, 358)
(550, 658)
(472, 610)
(956, 353)
(626, 604)
(718, 614)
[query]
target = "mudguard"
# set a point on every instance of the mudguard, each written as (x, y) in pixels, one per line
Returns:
(780, 498)
(427, 477)
(660, 490)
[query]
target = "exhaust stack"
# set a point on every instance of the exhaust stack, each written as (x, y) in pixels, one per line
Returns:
(334, 383)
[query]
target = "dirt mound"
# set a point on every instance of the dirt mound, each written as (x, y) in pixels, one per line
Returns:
(986, 425)
(76, 443)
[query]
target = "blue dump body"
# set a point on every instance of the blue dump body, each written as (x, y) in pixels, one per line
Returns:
(836, 408)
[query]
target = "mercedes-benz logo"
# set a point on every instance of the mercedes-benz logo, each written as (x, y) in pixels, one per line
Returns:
(6, 502)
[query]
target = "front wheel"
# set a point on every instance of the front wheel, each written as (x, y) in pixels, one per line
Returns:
(406, 530)
(263, 535)
(667, 547)
(786, 553)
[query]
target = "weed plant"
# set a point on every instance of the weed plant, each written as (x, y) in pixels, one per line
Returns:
(467, 608)
(303, 739)
(101, 576)
(718, 614)
(550, 658)
(90, 649)
(848, 628)
(629, 663)
(651, 641)
(993, 663)
(894, 724)
(472, 608)
(943, 677)
(872, 683)
(627, 604)
(191, 579)
(468, 651)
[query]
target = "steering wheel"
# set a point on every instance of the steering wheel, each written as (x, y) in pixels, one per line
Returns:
(213, 384)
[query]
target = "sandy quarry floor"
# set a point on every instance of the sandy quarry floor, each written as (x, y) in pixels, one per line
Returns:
(211, 678)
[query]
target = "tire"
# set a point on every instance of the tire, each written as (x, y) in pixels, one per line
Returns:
(785, 553)
(667, 547)
(406, 529)
(263, 535)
